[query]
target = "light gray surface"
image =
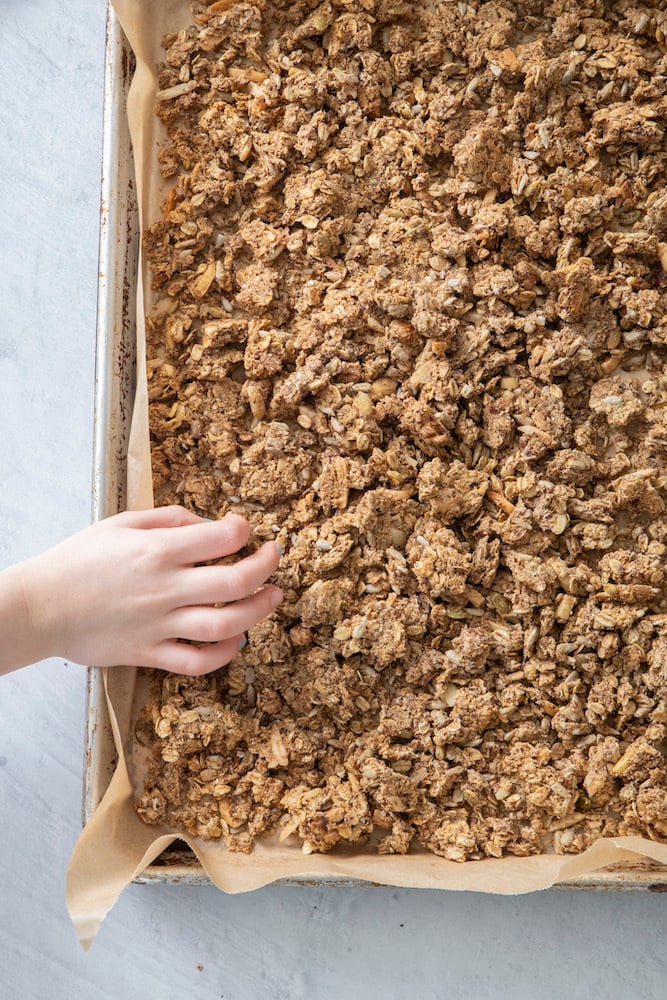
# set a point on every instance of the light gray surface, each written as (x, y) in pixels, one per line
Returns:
(280, 942)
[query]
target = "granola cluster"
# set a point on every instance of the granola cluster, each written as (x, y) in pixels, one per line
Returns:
(411, 322)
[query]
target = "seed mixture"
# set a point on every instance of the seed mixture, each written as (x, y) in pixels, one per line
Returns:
(410, 321)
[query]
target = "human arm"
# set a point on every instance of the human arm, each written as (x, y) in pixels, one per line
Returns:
(127, 589)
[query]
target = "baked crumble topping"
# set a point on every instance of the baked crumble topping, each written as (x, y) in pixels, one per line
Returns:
(410, 321)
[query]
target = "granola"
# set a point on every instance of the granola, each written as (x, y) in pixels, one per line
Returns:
(410, 321)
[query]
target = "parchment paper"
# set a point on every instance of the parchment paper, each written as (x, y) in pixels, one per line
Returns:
(116, 845)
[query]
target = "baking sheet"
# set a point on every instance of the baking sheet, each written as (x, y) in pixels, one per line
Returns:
(115, 362)
(116, 842)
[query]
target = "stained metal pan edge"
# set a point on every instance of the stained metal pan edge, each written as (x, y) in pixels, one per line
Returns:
(114, 363)
(114, 391)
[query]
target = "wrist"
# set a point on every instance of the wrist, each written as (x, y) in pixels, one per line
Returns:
(26, 634)
(42, 592)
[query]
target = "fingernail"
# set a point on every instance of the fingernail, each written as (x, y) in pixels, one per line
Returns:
(243, 642)
(211, 519)
(280, 548)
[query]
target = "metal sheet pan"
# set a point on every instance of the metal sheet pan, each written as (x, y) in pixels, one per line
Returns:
(114, 390)
(114, 363)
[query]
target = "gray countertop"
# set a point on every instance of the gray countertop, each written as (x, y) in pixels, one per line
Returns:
(171, 942)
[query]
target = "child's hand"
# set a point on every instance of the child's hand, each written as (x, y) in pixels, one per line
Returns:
(124, 591)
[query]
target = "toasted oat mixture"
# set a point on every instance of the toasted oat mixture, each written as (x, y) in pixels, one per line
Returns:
(411, 323)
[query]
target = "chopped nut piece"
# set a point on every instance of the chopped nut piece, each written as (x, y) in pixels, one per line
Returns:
(202, 282)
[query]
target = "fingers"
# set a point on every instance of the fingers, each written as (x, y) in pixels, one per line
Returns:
(195, 539)
(160, 517)
(208, 540)
(179, 658)
(218, 624)
(223, 584)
